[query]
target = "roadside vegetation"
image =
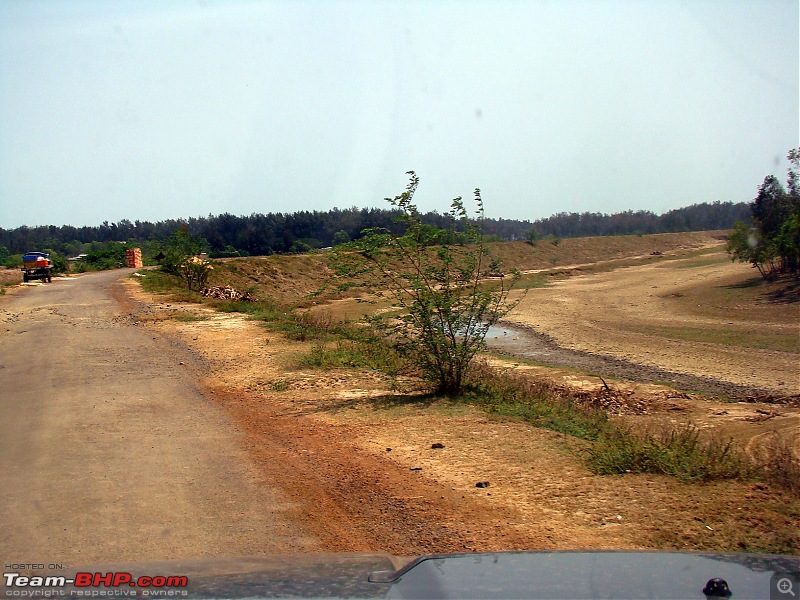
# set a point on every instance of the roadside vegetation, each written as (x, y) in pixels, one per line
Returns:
(699, 480)
(159, 282)
(772, 243)
(680, 451)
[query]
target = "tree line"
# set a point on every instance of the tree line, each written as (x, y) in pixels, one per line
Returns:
(265, 234)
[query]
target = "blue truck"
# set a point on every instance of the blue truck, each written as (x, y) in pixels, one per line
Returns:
(36, 265)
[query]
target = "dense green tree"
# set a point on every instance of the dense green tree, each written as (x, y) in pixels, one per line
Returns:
(770, 208)
(58, 261)
(772, 245)
(179, 248)
(340, 237)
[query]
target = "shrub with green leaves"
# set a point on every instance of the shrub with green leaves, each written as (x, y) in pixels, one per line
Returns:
(180, 246)
(195, 272)
(443, 283)
(772, 245)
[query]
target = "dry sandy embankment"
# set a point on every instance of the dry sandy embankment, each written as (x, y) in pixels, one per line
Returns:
(686, 316)
(358, 460)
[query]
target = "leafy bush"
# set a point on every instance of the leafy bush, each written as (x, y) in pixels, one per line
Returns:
(341, 237)
(195, 272)
(58, 261)
(13, 261)
(104, 255)
(437, 279)
(180, 246)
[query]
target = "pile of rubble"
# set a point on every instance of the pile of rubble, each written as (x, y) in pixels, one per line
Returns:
(787, 400)
(762, 415)
(614, 401)
(226, 293)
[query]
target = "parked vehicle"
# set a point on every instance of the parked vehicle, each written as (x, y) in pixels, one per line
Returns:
(37, 265)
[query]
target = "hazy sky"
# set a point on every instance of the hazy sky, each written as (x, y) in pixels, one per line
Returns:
(150, 110)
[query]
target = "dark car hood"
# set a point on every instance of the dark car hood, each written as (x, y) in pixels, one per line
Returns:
(481, 575)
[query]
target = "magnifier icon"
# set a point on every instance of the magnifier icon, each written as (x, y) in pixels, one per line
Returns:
(784, 586)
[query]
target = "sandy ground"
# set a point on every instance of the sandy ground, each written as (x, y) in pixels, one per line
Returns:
(358, 460)
(628, 314)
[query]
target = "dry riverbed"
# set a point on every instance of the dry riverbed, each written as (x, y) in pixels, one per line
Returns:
(359, 462)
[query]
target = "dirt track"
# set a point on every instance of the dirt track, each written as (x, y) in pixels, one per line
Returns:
(109, 451)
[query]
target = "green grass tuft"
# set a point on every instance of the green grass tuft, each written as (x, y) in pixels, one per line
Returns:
(533, 400)
(189, 317)
(678, 451)
(158, 282)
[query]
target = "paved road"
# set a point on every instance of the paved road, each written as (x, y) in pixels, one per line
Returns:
(108, 451)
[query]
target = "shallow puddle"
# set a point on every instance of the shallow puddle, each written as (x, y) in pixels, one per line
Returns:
(517, 341)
